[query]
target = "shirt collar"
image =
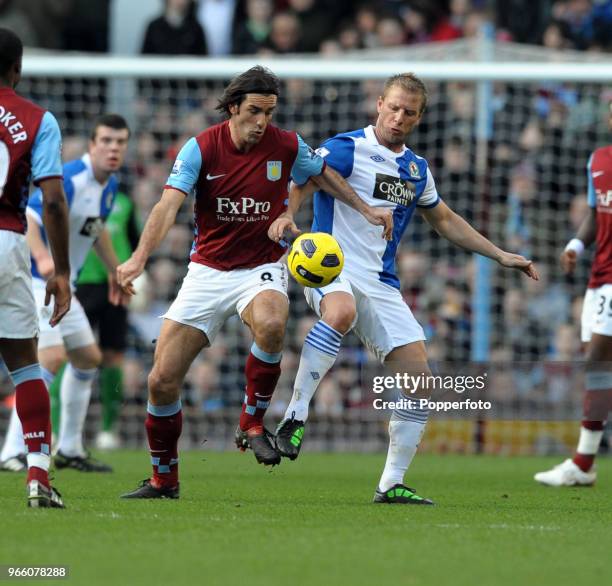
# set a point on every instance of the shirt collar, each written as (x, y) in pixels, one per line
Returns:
(370, 136)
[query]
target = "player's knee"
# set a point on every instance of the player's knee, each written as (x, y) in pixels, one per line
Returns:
(269, 334)
(340, 318)
(88, 358)
(53, 363)
(163, 389)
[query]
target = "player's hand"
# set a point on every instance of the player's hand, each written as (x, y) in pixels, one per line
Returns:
(284, 222)
(380, 217)
(59, 287)
(568, 260)
(127, 273)
(116, 295)
(45, 266)
(516, 261)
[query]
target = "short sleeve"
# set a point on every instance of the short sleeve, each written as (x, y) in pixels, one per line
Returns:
(429, 198)
(47, 150)
(35, 202)
(591, 195)
(186, 169)
(307, 163)
(339, 153)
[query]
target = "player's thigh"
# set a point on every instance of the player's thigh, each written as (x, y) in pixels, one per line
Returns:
(384, 320)
(93, 298)
(18, 353)
(207, 297)
(262, 303)
(18, 317)
(324, 299)
(113, 328)
(177, 347)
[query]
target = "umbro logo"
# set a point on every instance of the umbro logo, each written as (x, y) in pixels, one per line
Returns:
(377, 158)
(597, 173)
(315, 375)
(210, 177)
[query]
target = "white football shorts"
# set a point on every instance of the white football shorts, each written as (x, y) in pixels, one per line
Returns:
(384, 320)
(18, 319)
(208, 296)
(596, 313)
(74, 331)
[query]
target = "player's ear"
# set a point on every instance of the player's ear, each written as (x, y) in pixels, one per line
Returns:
(234, 109)
(379, 104)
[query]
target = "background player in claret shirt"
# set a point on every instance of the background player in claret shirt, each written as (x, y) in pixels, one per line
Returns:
(30, 148)
(90, 188)
(240, 170)
(366, 296)
(596, 322)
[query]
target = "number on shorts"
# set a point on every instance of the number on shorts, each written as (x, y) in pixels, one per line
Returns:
(602, 305)
(5, 162)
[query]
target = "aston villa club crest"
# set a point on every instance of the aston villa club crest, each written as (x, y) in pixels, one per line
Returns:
(275, 170)
(413, 170)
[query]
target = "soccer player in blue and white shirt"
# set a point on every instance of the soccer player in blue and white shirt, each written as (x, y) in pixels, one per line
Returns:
(90, 186)
(366, 297)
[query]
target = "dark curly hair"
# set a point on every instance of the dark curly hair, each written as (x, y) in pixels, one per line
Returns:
(257, 80)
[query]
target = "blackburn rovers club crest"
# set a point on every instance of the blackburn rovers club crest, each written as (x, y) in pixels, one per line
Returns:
(413, 169)
(275, 169)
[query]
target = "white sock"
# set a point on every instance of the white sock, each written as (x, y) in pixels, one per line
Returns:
(319, 353)
(404, 438)
(589, 441)
(13, 441)
(74, 393)
(39, 460)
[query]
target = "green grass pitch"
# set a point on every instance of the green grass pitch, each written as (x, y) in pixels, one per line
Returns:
(312, 522)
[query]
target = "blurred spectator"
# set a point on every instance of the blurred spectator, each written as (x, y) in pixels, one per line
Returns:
(556, 36)
(285, 34)
(524, 20)
(13, 16)
(366, 21)
(315, 24)
(175, 32)
(86, 28)
(252, 33)
(390, 33)
(50, 18)
(217, 17)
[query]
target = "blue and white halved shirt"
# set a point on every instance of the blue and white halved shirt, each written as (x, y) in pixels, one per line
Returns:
(89, 204)
(383, 178)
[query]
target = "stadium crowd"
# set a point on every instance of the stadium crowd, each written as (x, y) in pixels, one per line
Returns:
(530, 199)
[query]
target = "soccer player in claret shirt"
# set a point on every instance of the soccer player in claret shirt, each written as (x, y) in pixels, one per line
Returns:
(91, 187)
(30, 148)
(596, 322)
(385, 173)
(240, 170)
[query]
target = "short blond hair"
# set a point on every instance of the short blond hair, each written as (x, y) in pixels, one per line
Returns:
(409, 82)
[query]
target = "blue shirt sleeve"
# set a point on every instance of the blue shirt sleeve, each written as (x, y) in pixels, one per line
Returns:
(47, 149)
(339, 153)
(186, 169)
(307, 163)
(591, 195)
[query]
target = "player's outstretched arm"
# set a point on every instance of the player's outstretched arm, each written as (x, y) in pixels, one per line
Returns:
(286, 221)
(584, 237)
(55, 219)
(454, 228)
(333, 183)
(158, 223)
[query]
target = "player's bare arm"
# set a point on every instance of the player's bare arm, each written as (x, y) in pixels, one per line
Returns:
(333, 183)
(584, 238)
(455, 229)
(104, 249)
(38, 249)
(297, 194)
(158, 223)
(55, 219)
